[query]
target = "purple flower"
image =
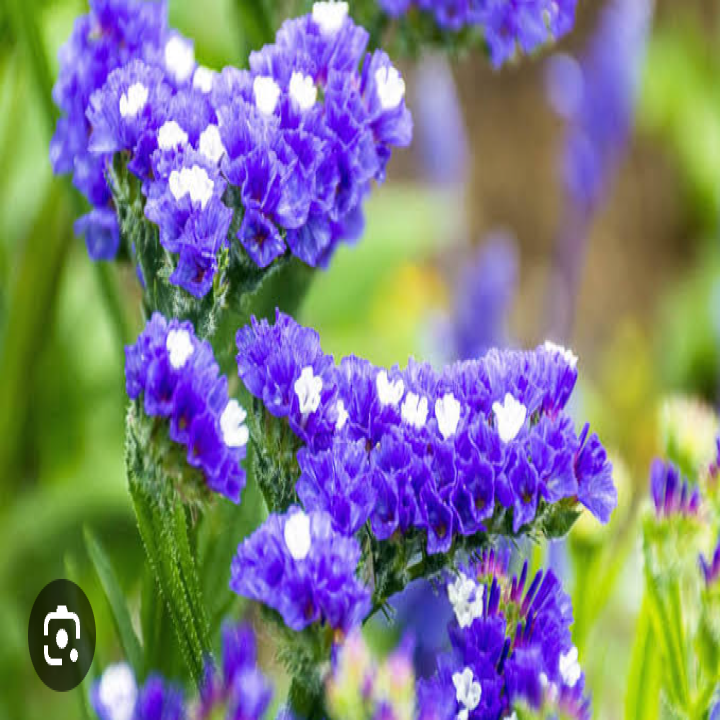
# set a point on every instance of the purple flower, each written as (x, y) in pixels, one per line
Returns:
(711, 567)
(511, 643)
(179, 380)
(158, 700)
(301, 567)
(671, 493)
(240, 688)
(101, 232)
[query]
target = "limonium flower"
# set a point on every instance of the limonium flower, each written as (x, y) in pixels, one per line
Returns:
(238, 688)
(711, 566)
(178, 379)
(447, 453)
(511, 647)
(671, 493)
(296, 140)
(116, 696)
(300, 566)
(508, 27)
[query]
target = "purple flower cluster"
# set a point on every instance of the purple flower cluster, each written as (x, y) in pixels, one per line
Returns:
(711, 567)
(115, 696)
(292, 144)
(442, 452)
(240, 688)
(300, 566)
(179, 380)
(671, 493)
(511, 645)
(597, 96)
(114, 33)
(506, 24)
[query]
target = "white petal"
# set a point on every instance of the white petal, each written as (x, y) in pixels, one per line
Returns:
(329, 16)
(179, 347)
(303, 91)
(510, 416)
(171, 136)
(267, 93)
(117, 691)
(308, 388)
(133, 100)
(389, 393)
(297, 535)
(568, 355)
(390, 87)
(210, 144)
(179, 58)
(232, 423)
(447, 412)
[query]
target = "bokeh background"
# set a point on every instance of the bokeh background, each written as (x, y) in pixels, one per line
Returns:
(483, 175)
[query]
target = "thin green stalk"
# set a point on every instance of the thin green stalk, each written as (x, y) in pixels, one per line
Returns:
(642, 697)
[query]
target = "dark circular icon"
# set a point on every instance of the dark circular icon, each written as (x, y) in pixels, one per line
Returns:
(61, 635)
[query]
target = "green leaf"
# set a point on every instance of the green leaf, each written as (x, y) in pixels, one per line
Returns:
(116, 599)
(558, 520)
(643, 688)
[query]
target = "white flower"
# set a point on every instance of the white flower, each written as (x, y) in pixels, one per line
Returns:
(447, 412)
(171, 136)
(307, 388)
(303, 90)
(117, 692)
(466, 598)
(179, 347)
(232, 423)
(193, 181)
(570, 671)
(390, 87)
(179, 58)
(329, 16)
(203, 79)
(467, 691)
(342, 415)
(133, 100)
(568, 355)
(510, 416)
(210, 144)
(414, 410)
(389, 393)
(267, 93)
(297, 535)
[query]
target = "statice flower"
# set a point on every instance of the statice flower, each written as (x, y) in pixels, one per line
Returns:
(116, 696)
(239, 687)
(359, 687)
(711, 567)
(671, 493)
(514, 649)
(300, 566)
(448, 453)
(506, 26)
(114, 33)
(179, 380)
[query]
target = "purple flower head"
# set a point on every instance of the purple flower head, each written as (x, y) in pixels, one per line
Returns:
(711, 567)
(240, 688)
(101, 232)
(158, 700)
(510, 643)
(179, 380)
(671, 493)
(301, 567)
(442, 452)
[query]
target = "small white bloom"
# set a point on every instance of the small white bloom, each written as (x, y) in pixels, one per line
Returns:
(329, 16)
(297, 535)
(447, 412)
(342, 415)
(414, 410)
(568, 355)
(171, 136)
(510, 416)
(307, 388)
(267, 93)
(133, 100)
(232, 423)
(210, 144)
(389, 393)
(570, 671)
(303, 90)
(179, 347)
(193, 181)
(467, 690)
(179, 58)
(390, 87)
(512, 717)
(466, 598)
(117, 691)
(203, 79)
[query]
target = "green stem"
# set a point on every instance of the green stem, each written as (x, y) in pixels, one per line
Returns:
(641, 700)
(108, 287)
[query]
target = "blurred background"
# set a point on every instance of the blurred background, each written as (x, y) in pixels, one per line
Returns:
(475, 240)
